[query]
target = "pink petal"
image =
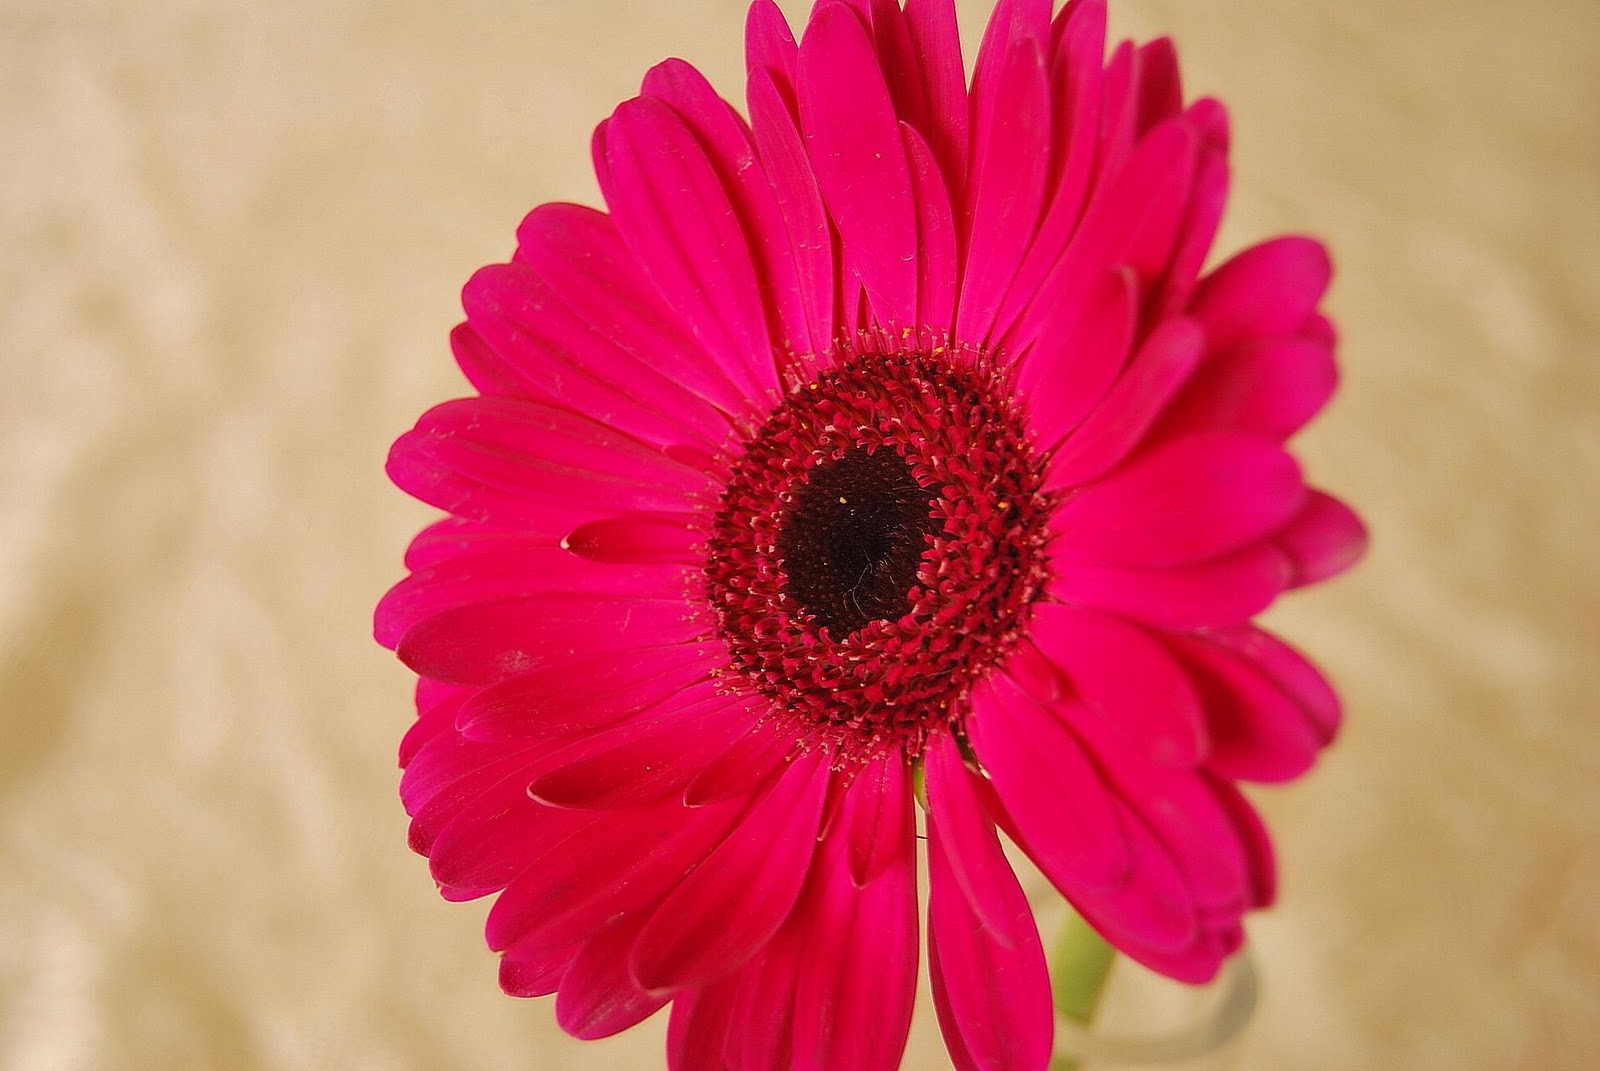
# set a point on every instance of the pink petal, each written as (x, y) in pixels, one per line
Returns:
(769, 44)
(534, 975)
(899, 62)
(1292, 672)
(1152, 910)
(639, 540)
(679, 222)
(1253, 835)
(936, 42)
(743, 768)
(968, 837)
(649, 757)
(1182, 502)
(1034, 763)
(878, 822)
(1119, 118)
(613, 867)
(486, 370)
(1160, 86)
(1118, 424)
(1079, 356)
(1269, 289)
(597, 998)
(1207, 199)
(853, 139)
(1258, 732)
(936, 287)
(453, 537)
(733, 903)
(502, 574)
(991, 988)
(700, 1025)
(583, 260)
(858, 981)
(523, 464)
(732, 152)
(1323, 540)
(488, 642)
(1210, 594)
(783, 155)
(1127, 679)
(761, 1037)
(543, 347)
(1270, 387)
(1010, 158)
(586, 693)
(437, 705)
(493, 837)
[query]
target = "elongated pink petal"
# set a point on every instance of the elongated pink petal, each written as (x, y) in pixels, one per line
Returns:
(936, 228)
(653, 756)
(534, 975)
(1160, 85)
(586, 693)
(1253, 835)
(853, 140)
(597, 998)
(769, 44)
(502, 574)
(1210, 594)
(1182, 502)
(878, 822)
(1323, 540)
(743, 768)
(589, 269)
(1267, 290)
(1010, 159)
(1052, 793)
(1152, 910)
(991, 988)
(1258, 732)
(968, 837)
(783, 155)
(1118, 424)
(679, 221)
(437, 705)
(494, 836)
(858, 981)
(936, 40)
(488, 642)
(540, 344)
(1127, 678)
(734, 902)
(898, 60)
(638, 541)
(762, 1035)
(700, 1024)
(1083, 350)
(1271, 388)
(1292, 672)
(613, 867)
(1208, 197)
(454, 537)
(732, 152)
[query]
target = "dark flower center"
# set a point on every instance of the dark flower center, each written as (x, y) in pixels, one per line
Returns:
(854, 538)
(880, 541)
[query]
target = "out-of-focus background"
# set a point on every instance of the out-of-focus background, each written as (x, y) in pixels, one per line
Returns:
(231, 240)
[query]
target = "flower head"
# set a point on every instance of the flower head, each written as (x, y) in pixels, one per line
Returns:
(895, 429)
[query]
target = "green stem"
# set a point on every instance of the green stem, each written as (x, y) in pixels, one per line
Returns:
(1080, 964)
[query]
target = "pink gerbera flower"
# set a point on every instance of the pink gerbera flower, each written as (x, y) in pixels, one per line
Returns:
(894, 430)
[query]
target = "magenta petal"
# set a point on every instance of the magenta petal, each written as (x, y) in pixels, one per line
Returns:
(1253, 835)
(1270, 387)
(1258, 732)
(734, 902)
(991, 988)
(761, 1037)
(586, 693)
(638, 540)
(858, 981)
(651, 756)
(1152, 910)
(971, 849)
(1292, 672)
(853, 139)
(1035, 763)
(877, 821)
(1160, 86)
(597, 998)
(679, 221)
(1323, 540)
(898, 60)
(1080, 355)
(488, 642)
(1155, 375)
(769, 43)
(810, 238)
(534, 975)
(1010, 157)
(936, 228)
(700, 1025)
(1182, 502)
(741, 769)
(1269, 289)
(437, 705)
(936, 40)
(1210, 594)
(1208, 198)
(1127, 678)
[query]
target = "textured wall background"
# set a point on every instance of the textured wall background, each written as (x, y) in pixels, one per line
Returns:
(231, 237)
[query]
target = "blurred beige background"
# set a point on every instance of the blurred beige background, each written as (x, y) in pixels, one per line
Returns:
(231, 238)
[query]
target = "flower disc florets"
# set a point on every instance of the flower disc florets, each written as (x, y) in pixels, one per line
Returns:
(880, 542)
